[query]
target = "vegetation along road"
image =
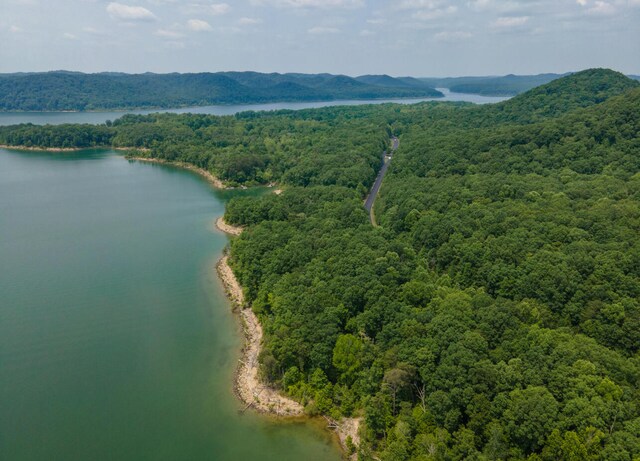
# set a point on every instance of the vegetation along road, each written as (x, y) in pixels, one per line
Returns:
(371, 198)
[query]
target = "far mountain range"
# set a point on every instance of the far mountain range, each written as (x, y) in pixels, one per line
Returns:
(75, 91)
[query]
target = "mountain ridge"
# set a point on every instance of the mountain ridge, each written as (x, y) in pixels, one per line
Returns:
(65, 90)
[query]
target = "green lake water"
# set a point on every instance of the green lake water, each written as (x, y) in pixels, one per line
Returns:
(116, 339)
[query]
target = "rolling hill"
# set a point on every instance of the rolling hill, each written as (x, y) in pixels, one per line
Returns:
(61, 90)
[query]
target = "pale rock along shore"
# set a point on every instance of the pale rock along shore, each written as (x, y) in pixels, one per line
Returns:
(211, 179)
(248, 386)
(227, 228)
(75, 149)
(40, 149)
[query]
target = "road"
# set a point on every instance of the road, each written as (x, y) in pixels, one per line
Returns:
(373, 193)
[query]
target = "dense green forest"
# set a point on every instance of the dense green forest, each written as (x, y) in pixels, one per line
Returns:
(58, 91)
(335, 145)
(495, 312)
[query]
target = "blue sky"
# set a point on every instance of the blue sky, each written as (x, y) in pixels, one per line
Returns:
(403, 37)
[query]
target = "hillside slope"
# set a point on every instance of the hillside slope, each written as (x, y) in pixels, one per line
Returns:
(57, 91)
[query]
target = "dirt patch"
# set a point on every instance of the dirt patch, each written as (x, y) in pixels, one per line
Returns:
(228, 228)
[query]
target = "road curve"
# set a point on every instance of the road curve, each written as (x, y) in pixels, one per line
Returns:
(373, 193)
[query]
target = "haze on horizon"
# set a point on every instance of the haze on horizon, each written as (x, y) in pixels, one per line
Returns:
(404, 37)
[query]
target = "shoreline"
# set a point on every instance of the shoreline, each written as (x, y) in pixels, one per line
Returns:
(159, 109)
(73, 149)
(222, 225)
(211, 179)
(46, 149)
(247, 386)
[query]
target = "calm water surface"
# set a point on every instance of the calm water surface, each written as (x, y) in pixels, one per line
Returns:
(41, 118)
(116, 339)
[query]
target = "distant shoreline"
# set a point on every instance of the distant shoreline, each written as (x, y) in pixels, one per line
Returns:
(155, 109)
(73, 149)
(45, 149)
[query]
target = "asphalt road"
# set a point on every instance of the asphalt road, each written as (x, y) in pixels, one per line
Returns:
(373, 193)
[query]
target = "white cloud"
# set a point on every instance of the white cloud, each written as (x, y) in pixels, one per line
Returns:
(602, 8)
(366, 33)
(581, 2)
(69, 36)
(506, 22)
(515, 6)
(129, 13)
(15, 29)
(452, 36)
(198, 25)
(323, 30)
(166, 33)
(429, 14)
(419, 4)
(328, 4)
(219, 8)
(211, 9)
(376, 21)
(249, 21)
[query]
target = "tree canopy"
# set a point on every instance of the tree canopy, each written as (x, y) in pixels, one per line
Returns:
(493, 315)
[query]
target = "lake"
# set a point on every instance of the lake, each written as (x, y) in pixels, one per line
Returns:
(116, 339)
(42, 118)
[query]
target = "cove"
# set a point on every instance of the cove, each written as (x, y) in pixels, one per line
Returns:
(116, 339)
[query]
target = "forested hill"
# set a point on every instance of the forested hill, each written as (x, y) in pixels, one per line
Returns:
(553, 99)
(494, 315)
(560, 96)
(507, 85)
(59, 91)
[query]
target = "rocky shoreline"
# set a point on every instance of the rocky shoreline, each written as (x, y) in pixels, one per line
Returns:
(247, 385)
(211, 179)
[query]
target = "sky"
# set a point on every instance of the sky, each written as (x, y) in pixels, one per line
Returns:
(404, 37)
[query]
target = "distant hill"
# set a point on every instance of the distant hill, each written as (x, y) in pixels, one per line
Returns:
(62, 90)
(386, 80)
(508, 85)
(563, 95)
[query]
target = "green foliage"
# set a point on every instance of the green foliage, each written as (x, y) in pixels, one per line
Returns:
(56, 91)
(57, 136)
(493, 315)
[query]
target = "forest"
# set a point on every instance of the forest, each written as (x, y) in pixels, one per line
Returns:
(75, 91)
(507, 85)
(494, 313)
